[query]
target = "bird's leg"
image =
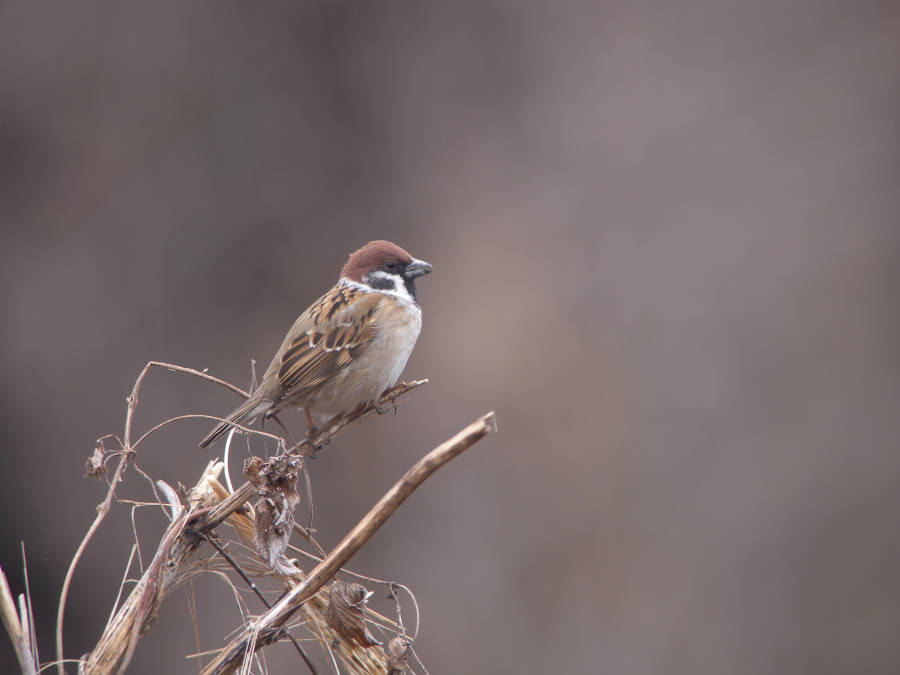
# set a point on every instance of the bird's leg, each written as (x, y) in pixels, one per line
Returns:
(310, 427)
(286, 432)
(310, 432)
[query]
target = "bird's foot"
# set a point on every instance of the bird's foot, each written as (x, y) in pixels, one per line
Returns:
(315, 447)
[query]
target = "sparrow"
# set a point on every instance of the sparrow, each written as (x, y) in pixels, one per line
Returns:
(348, 347)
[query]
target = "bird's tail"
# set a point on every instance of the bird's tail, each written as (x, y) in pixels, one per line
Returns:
(243, 414)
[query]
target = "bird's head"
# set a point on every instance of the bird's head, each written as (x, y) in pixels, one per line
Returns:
(384, 266)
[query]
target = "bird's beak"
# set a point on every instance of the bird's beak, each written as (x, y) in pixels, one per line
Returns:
(417, 268)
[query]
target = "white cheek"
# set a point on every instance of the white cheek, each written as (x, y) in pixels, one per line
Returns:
(397, 288)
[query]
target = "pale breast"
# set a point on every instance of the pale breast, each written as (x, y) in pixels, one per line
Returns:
(398, 322)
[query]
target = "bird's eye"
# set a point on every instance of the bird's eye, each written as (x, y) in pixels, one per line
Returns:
(391, 265)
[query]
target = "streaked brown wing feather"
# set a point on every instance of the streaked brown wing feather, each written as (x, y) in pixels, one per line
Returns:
(340, 326)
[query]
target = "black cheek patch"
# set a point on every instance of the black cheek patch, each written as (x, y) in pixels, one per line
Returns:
(382, 284)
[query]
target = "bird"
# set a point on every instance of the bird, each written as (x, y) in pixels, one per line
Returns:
(348, 347)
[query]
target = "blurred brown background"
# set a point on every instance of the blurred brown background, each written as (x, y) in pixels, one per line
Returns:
(666, 245)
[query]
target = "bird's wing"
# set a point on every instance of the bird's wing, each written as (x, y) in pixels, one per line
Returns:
(328, 336)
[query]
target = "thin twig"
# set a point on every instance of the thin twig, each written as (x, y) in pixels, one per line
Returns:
(104, 506)
(102, 510)
(231, 656)
(307, 534)
(247, 580)
(198, 416)
(116, 646)
(32, 633)
(17, 626)
(200, 374)
(341, 422)
(122, 585)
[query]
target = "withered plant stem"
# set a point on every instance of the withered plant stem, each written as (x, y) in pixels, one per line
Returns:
(139, 610)
(262, 598)
(231, 656)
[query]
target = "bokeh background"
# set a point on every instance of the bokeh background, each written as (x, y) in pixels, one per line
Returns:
(667, 253)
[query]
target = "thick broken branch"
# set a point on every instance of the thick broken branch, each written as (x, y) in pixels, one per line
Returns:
(231, 656)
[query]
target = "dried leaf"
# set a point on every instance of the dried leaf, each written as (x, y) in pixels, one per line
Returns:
(397, 655)
(252, 466)
(345, 614)
(276, 481)
(95, 464)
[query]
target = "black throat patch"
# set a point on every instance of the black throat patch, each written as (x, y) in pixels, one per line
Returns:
(410, 287)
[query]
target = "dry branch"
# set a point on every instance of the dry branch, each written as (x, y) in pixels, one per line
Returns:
(137, 613)
(340, 422)
(255, 635)
(17, 626)
(209, 505)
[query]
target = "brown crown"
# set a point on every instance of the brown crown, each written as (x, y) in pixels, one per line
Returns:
(372, 255)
